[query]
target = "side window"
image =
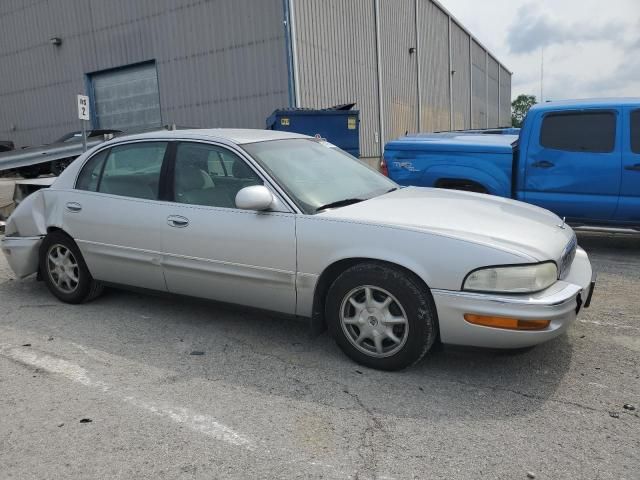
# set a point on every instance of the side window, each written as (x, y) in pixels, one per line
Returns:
(133, 170)
(635, 131)
(90, 173)
(593, 132)
(210, 175)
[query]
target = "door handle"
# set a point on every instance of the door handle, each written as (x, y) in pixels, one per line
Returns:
(177, 221)
(73, 207)
(635, 167)
(542, 164)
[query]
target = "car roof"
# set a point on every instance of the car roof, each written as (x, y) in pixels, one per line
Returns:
(588, 103)
(234, 135)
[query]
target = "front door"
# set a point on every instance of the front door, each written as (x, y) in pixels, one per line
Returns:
(115, 217)
(573, 164)
(215, 250)
(629, 205)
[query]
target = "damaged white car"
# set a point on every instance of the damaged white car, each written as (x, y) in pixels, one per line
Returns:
(287, 223)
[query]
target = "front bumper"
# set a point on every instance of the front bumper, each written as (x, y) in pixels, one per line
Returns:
(22, 254)
(559, 303)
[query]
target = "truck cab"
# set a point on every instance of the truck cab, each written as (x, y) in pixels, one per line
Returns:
(579, 159)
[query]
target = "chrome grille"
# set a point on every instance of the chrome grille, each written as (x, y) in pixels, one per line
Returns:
(567, 257)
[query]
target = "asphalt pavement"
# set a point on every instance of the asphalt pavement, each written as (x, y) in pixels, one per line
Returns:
(139, 386)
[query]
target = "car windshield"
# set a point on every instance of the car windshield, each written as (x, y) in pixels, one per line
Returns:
(318, 175)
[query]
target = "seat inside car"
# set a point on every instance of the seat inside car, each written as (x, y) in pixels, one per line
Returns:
(241, 176)
(138, 186)
(194, 186)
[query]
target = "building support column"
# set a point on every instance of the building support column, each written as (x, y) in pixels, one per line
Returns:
(499, 99)
(381, 136)
(470, 82)
(294, 52)
(451, 74)
(486, 87)
(418, 69)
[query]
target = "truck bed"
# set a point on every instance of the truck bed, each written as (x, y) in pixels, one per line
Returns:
(432, 160)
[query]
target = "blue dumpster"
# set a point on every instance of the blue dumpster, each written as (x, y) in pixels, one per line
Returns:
(340, 125)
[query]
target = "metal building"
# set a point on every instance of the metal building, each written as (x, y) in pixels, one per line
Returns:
(408, 64)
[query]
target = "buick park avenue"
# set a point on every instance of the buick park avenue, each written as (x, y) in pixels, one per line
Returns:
(291, 224)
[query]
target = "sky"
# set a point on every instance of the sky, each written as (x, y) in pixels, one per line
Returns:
(591, 47)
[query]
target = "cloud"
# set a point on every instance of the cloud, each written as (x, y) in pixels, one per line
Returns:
(532, 30)
(626, 75)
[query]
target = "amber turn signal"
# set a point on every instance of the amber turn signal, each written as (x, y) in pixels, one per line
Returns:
(507, 323)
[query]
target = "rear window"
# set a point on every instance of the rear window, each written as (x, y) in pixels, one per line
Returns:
(635, 131)
(593, 132)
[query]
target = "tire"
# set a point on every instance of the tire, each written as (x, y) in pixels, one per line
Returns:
(70, 280)
(360, 322)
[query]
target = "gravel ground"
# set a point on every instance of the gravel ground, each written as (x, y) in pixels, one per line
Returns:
(112, 389)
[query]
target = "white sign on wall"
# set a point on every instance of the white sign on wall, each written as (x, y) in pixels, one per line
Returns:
(83, 107)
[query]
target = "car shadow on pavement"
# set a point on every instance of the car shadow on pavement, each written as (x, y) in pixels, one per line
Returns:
(272, 355)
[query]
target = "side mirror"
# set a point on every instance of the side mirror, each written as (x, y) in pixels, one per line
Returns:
(255, 197)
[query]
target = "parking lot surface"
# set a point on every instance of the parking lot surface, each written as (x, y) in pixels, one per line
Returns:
(139, 386)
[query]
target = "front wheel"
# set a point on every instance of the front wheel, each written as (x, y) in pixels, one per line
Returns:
(381, 316)
(64, 270)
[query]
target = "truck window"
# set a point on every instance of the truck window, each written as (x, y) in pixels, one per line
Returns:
(593, 132)
(635, 131)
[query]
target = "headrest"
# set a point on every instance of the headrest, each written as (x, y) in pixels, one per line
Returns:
(188, 178)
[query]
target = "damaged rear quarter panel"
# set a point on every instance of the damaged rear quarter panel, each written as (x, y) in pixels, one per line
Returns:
(26, 227)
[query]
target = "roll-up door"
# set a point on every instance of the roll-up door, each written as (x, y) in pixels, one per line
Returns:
(127, 98)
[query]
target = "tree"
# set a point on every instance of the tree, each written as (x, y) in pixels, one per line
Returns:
(519, 108)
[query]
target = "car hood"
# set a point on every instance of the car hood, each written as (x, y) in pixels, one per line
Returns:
(501, 223)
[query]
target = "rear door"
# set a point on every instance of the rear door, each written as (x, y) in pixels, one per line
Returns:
(629, 206)
(115, 217)
(573, 164)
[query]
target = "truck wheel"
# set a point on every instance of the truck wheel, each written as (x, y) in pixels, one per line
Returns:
(461, 184)
(381, 316)
(64, 271)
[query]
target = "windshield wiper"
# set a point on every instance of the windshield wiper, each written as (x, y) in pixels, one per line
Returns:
(340, 203)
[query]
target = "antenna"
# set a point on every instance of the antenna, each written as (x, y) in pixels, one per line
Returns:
(542, 75)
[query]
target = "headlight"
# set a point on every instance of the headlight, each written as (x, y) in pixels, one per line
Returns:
(513, 279)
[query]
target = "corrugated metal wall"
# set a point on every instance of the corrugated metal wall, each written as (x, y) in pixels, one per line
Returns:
(224, 63)
(399, 67)
(493, 89)
(479, 86)
(219, 63)
(461, 78)
(505, 97)
(336, 52)
(433, 54)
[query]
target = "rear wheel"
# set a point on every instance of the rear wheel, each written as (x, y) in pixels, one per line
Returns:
(381, 316)
(64, 270)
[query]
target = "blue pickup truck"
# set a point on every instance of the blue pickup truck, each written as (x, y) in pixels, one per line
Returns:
(579, 159)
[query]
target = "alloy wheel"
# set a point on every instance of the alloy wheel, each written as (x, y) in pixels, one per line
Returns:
(63, 268)
(374, 321)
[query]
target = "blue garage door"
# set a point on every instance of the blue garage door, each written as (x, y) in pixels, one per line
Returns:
(127, 98)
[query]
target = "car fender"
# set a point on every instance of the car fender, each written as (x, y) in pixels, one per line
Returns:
(438, 259)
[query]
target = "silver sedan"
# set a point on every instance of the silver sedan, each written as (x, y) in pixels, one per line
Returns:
(291, 224)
